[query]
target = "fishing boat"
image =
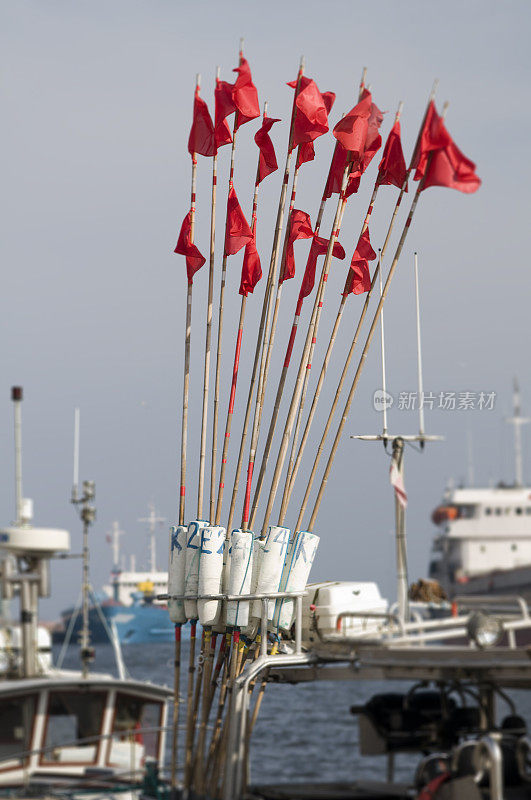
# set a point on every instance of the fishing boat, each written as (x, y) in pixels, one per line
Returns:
(66, 732)
(128, 603)
(483, 544)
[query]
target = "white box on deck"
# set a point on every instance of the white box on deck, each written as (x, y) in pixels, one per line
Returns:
(333, 598)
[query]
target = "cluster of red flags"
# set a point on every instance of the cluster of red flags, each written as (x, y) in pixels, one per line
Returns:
(438, 159)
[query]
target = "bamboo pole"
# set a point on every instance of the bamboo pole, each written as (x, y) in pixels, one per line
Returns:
(308, 348)
(182, 491)
(314, 322)
(176, 704)
(264, 319)
(291, 476)
(268, 349)
(220, 327)
(382, 348)
(198, 772)
(208, 338)
(235, 368)
(187, 337)
(382, 299)
(214, 742)
(363, 357)
(190, 697)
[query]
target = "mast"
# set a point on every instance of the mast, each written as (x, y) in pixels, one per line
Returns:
(517, 421)
(152, 519)
(16, 396)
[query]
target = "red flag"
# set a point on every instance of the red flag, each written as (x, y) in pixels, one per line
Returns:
(237, 231)
(300, 227)
(251, 269)
(244, 95)
(366, 130)
(318, 248)
(351, 131)
(311, 119)
(194, 259)
(201, 139)
(392, 168)
(267, 161)
(359, 275)
(434, 136)
(224, 107)
(306, 152)
(451, 168)
(337, 168)
(448, 165)
(239, 96)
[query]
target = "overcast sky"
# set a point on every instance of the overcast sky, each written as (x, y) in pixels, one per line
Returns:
(97, 100)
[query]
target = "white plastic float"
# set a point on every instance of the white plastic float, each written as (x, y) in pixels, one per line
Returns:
(240, 570)
(270, 565)
(176, 573)
(295, 575)
(191, 576)
(210, 573)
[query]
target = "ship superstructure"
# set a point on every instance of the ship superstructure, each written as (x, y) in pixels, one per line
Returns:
(484, 539)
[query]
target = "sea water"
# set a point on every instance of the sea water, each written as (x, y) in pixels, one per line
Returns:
(304, 732)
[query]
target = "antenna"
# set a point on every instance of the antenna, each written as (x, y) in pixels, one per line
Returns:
(16, 397)
(75, 481)
(517, 421)
(397, 475)
(152, 520)
(419, 355)
(382, 340)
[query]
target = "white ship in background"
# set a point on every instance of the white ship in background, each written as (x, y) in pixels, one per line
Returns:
(484, 543)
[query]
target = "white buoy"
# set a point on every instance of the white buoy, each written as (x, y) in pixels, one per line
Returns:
(295, 575)
(240, 568)
(176, 573)
(210, 573)
(271, 564)
(191, 575)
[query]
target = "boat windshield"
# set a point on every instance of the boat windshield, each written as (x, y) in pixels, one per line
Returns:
(73, 716)
(133, 717)
(16, 727)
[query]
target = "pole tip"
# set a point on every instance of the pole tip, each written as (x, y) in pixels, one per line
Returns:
(16, 393)
(302, 63)
(198, 80)
(434, 88)
(218, 72)
(241, 44)
(265, 108)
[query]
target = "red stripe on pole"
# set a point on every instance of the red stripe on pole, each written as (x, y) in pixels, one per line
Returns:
(235, 370)
(177, 633)
(183, 491)
(290, 345)
(248, 492)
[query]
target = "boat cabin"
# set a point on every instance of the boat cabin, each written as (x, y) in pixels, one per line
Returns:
(71, 727)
